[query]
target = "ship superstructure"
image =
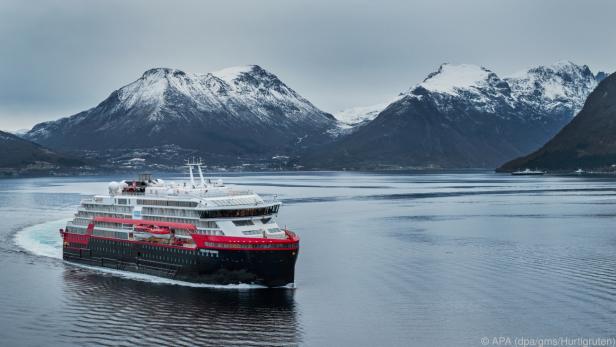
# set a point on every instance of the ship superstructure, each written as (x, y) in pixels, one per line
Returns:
(199, 231)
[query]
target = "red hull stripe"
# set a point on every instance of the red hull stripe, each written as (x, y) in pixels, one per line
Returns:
(246, 243)
(76, 238)
(193, 248)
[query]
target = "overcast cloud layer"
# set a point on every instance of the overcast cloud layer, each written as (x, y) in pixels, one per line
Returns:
(61, 57)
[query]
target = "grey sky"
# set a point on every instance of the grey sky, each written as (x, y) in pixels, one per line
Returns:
(61, 57)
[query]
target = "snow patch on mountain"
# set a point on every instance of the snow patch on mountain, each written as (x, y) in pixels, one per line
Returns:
(472, 85)
(149, 89)
(452, 78)
(557, 86)
(357, 116)
(232, 73)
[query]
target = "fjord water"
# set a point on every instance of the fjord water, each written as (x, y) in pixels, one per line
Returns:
(421, 259)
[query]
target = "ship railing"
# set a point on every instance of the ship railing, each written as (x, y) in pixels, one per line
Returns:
(291, 235)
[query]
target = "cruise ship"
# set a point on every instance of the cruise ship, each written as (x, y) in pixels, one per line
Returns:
(199, 231)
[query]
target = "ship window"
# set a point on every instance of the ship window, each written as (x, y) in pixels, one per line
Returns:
(266, 220)
(240, 223)
(249, 212)
(167, 203)
(252, 232)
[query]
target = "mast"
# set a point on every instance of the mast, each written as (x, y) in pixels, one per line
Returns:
(197, 164)
(201, 174)
(190, 170)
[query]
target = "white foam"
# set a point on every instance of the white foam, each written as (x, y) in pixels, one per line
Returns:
(162, 280)
(44, 240)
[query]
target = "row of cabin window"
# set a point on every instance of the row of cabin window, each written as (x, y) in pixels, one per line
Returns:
(174, 250)
(76, 230)
(182, 260)
(246, 212)
(167, 203)
(241, 223)
(201, 224)
(108, 208)
(110, 225)
(210, 232)
(81, 221)
(110, 234)
(248, 245)
(260, 231)
(115, 250)
(153, 248)
(116, 244)
(170, 212)
(86, 214)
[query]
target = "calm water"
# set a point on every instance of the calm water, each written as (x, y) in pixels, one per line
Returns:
(386, 259)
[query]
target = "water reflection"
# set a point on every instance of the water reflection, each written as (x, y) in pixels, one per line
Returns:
(114, 311)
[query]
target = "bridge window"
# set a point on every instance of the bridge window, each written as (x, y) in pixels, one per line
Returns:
(248, 212)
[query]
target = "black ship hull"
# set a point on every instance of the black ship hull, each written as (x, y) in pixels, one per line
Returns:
(271, 268)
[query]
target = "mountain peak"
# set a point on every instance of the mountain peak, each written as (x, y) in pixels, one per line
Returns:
(162, 72)
(239, 104)
(232, 73)
(449, 78)
(564, 68)
(564, 63)
(550, 87)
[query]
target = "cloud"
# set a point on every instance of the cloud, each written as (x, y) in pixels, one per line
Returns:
(60, 57)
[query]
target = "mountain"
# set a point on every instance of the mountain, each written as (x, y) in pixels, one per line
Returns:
(241, 111)
(588, 142)
(464, 116)
(558, 90)
(20, 156)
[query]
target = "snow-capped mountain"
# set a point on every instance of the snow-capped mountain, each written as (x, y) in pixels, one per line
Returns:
(544, 91)
(475, 86)
(588, 142)
(558, 89)
(465, 116)
(236, 111)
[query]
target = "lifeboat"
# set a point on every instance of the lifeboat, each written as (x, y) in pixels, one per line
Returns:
(148, 231)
